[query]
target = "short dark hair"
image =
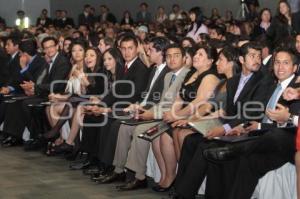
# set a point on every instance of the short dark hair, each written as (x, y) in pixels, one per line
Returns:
(49, 39)
(129, 37)
(286, 50)
(16, 40)
(211, 52)
(29, 47)
(175, 45)
(244, 49)
(218, 28)
(160, 43)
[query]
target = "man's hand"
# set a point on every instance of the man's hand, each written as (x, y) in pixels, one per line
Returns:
(147, 115)
(281, 114)
(238, 130)
(252, 127)
(4, 91)
(23, 61)
(291, 94)
(215, 132)
(94, 100)
(132, 108)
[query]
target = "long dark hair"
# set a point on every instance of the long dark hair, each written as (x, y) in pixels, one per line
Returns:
(116, 54)
(199, 17)
(97, 69)
(280, 16)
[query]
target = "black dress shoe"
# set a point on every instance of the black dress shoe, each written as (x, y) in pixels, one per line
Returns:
(113, 177)
(6, 140)
(91, 171)
(11, 142)
(133, 185)
(34, 145)
(222, 153)
(80, 165)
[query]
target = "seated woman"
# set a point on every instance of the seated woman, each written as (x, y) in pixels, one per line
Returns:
(76, 84)
(96, 79)
(226, 65)
(196, 89)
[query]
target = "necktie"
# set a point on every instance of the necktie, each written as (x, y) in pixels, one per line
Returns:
(126, 69)
(50, 65)
(298, 136)
(273, 101)
(172, 79)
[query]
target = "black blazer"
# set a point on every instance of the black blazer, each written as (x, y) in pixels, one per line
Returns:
(97, 86)
(109, 18)
(83, 20)
(157, 88)
(62, 24)
(234, 110)
(4, 72)
(35, 69)
(296, 22)
(138, 75)
(130, 22)
(294, 106)
(13, 71)
(47, 22)
(59, 71)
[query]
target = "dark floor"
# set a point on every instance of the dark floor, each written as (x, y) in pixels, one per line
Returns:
(32, 175)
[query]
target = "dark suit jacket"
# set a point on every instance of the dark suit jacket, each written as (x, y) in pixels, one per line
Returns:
(4, 72)
(249, 93)
(59, 71)
(13, 71)
(47, 22)
(138, 76)
(109, 18)
(63, 23)
(296, 21)
(83, 20)
(141, 19)
(294, 106)
(157, 88)
(123, 21)
(35, 69)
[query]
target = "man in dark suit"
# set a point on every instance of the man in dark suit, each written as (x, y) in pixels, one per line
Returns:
(150, 97)
(106, 16)
(43, 20)
(296, 22)
(12, 69)
(240, 89)
(65, 20)
(143, 16)
(127, 90)
(57, 69)
(86, 18)
(3, 66)
(272, 150)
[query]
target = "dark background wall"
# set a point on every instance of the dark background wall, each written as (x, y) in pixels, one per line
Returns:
(8, 8)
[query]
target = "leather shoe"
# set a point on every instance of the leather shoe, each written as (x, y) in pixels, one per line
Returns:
(113, 177)
(10, 141)
(133, 185)
(91, 171)
(221, 154)
(80, 165)
(6, 140)
(35, 145)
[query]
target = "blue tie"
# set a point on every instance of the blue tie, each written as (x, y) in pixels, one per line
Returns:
(172, 79)
(273, 101)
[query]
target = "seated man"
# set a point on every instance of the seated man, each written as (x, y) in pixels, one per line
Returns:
(270, 151)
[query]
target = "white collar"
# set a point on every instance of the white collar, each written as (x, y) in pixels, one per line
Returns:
(265, 61)
(286, 82)
(14, 55)
(131, 62)
(179, 71)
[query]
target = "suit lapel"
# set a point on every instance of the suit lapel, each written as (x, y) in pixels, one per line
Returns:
(250, 84)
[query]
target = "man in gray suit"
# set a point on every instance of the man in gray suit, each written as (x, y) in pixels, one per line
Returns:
(131, 151)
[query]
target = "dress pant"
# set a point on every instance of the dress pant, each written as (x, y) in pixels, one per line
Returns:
(19, 115)
(192, 166)
(269, 152)
(90, 134)
(131, 151)
(108, 143)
